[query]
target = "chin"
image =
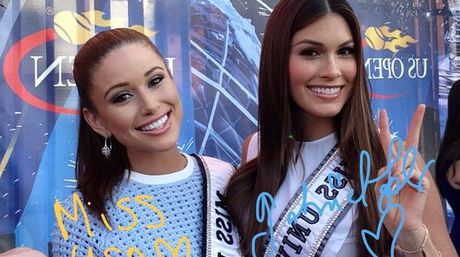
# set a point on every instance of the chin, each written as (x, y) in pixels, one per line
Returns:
(159, 145)
(330, 111)
(327, 113)
(166, 146)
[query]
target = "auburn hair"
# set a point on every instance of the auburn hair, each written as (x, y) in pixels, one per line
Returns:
(97, 175)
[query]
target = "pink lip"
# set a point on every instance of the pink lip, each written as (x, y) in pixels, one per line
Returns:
(327, 97)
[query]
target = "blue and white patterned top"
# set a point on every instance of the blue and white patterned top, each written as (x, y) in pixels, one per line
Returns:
(149, 216)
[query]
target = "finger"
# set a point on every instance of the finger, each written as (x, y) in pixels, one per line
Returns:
(397, 172)
(400, 163)
(406, 168)
(395, 160)
(415, 127)
(378, 187)
(383, 179)
(409, 160)
(385, 136)
(416, 179)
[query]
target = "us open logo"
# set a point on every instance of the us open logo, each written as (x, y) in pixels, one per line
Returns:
(383, 38)
(33, 80)
(395, 61)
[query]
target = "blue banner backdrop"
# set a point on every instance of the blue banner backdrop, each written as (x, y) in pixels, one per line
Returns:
(212, 48)
(40, 101)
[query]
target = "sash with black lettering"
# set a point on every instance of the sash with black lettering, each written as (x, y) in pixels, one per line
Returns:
(309, 233)
(220, 238)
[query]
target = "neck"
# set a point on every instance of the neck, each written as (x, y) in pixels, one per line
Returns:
(312, 127)
(158, 163)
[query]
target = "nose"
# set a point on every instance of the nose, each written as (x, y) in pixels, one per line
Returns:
(148, 103)
(330, 68)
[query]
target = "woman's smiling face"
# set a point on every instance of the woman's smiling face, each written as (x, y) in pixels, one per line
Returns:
(136, 100)
(322, 67)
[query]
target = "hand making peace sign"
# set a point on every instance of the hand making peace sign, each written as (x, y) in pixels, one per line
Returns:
(406, 196)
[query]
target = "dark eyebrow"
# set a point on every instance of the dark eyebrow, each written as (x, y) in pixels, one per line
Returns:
(124, 84)
(313, 42)
(147, 73)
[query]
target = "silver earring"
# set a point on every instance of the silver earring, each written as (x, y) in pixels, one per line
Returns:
(106, 149)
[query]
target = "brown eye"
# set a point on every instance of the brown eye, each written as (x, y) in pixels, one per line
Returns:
(347, 51)
(155, 81)
(309, 53)
(121, 97)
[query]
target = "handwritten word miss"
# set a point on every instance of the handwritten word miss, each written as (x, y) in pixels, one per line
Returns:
(78, 207)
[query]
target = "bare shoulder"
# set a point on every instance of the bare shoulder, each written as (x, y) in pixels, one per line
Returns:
(217, 165)
(22, 251)
(457, 166)
(244, 148)
(453, 175)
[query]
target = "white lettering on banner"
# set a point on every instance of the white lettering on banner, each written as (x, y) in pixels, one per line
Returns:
(170, 63)
(59, 63)
(396, 68)
(414, 71)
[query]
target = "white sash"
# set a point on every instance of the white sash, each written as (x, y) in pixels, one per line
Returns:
(221, 238)
(308, 235)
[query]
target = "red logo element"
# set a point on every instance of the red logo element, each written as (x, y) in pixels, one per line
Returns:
(11, 67)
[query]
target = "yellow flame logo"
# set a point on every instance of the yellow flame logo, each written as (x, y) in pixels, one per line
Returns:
(382, 38)
(77, 28)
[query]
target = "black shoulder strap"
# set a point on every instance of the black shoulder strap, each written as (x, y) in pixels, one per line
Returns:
(199, 160)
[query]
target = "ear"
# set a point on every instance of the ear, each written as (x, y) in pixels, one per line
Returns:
(95, 123)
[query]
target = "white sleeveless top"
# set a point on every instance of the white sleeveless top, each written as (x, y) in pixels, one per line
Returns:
(311, 155)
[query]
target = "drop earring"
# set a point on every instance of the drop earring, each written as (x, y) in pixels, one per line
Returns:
(106, 149)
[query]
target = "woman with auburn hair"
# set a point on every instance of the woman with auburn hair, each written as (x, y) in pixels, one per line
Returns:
(315, 118)
(141, 195)
(448, 162)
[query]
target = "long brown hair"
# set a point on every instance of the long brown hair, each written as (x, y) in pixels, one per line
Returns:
(354, 126)
(97, 175)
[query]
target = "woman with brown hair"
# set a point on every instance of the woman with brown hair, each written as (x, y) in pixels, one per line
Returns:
(315, 120)
(136, 192)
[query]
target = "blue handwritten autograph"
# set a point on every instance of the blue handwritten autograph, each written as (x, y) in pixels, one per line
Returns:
(391, 188)
(262, 209)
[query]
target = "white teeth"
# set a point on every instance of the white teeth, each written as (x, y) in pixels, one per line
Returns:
(325, 91)
(156, 124)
